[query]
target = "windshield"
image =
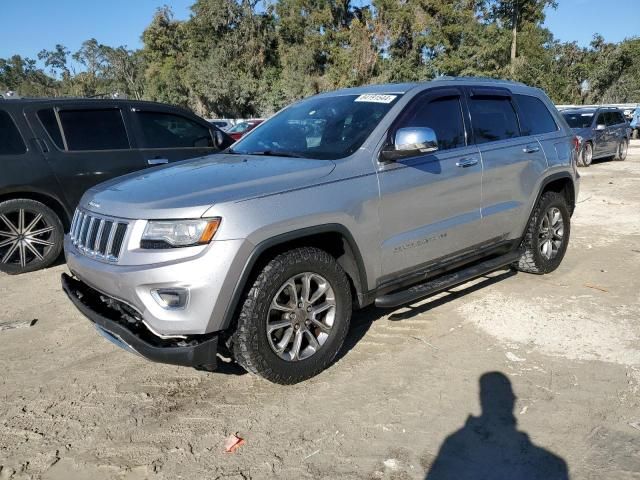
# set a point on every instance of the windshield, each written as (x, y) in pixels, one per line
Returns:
(326, 128)
(239, 128)
(579, 120)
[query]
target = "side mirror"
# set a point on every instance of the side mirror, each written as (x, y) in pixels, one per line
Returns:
(411, 142)
(218, 139)
(600, 127)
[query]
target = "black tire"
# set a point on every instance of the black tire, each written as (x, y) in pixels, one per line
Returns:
(532, 259)
(32, 252)
(623, 148)
(586, 156)
(250, 342)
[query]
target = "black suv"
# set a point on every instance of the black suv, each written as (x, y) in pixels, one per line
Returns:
(53, 150)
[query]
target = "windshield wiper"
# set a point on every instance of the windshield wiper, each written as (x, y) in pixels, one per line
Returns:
(277, 153)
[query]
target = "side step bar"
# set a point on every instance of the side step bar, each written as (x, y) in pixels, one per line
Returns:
(416, 292)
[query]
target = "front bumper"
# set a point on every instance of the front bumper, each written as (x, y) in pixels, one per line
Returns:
(192, 351)
(210, 277)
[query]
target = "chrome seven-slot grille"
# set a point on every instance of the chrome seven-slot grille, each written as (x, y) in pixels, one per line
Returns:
(98, 237)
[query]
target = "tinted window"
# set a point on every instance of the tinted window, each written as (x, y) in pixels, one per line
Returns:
(602, 119)
(10, 140)
(578, 119)
(535, 117)
(615, 118)
(165, 130)
(493, 119)
(94, 129)
(50, 123)
(444, 116)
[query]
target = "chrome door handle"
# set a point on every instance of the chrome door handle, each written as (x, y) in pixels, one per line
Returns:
(467, 162)
(531, 149)
(157, 161)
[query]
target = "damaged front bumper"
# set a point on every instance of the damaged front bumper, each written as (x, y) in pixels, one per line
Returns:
(118, 323)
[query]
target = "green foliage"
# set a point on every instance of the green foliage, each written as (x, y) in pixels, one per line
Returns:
(241, 58)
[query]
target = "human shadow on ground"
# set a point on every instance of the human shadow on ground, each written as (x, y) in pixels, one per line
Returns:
(489, 447)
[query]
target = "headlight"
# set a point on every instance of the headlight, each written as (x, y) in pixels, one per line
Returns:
(178, 233)
(580, 139)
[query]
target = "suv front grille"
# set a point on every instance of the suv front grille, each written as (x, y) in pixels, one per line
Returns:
(96, 236)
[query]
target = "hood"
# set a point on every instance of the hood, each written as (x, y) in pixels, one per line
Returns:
(188, 189)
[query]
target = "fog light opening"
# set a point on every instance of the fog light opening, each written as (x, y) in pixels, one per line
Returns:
(171, 298)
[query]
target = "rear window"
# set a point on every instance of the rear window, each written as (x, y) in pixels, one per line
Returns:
(166, 130)
(493, 119)
(535, 118)
(10, 140)
(50, 123)
(614, 118)
(94, 129)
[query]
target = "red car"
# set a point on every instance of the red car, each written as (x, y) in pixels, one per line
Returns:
(241, 129)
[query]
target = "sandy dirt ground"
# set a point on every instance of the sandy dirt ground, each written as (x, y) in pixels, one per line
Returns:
(73, 406)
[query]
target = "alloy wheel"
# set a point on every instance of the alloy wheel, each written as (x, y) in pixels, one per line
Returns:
(622, 152)
(301, 316)
(587, 155)
(25, 237)
(551, 234)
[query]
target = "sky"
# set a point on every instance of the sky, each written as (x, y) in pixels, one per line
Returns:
(28, 26)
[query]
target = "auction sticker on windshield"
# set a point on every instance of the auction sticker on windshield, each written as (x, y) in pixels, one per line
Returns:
(376, 98)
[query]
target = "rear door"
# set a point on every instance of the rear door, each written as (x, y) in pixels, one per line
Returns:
(512, 162)
(166, 135)
(84, 144)
(617, 126)
(430, 204)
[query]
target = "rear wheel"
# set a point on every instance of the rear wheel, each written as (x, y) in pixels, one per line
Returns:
(31, 236)
(547, 235)
(587, 155)
(623, 148)
(295, 317)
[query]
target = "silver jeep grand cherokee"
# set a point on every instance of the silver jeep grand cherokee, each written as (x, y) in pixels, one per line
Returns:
(383, 194)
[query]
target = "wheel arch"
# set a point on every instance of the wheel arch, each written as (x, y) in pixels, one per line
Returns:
(335, 239)
(50, 201)
(561, 183)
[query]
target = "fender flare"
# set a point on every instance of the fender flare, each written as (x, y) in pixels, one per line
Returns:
(360, 282)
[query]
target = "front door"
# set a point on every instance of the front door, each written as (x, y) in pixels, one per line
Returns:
(91, 147)
(165, 136)
(430, 204)
(601, 138)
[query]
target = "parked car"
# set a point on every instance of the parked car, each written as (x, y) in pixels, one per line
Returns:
(383, 194)
(635, 123)
(53, 150)
(241, 129)
(602, 132)
(221, 123)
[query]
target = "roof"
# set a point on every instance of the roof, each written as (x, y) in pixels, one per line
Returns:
(401, 88)
(65, 100)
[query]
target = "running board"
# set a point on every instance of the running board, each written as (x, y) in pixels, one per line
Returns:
(402, 297)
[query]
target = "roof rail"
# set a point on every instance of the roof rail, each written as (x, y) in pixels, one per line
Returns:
(477, 79)
(10, 95)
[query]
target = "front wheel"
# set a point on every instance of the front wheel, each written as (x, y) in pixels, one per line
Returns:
(587, 155)
(623, 148)
(294, 318)
(31, 236)
(547, 236)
